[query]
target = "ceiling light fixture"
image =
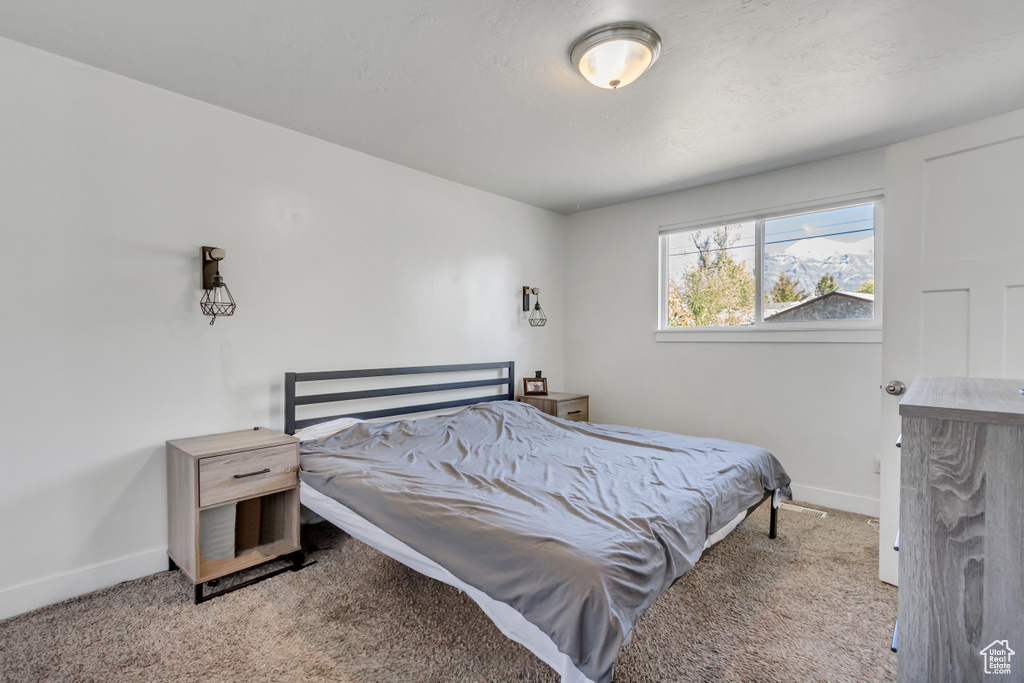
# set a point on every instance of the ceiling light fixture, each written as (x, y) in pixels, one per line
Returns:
(615, 55)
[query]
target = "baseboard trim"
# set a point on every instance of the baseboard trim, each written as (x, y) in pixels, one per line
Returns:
(834, 499)
(38, 593)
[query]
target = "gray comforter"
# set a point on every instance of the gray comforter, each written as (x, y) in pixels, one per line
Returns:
(577, 526)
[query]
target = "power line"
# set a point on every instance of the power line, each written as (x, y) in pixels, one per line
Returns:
(792, 239)
(797, 239)
(789, 232)
(827, 225)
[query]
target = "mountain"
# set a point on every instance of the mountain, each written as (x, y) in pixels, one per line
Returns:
(851, 263)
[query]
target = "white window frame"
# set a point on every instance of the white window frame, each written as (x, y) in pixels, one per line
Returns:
(825, 331)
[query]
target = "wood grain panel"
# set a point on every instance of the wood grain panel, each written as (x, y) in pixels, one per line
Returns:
(916, 591)
(1003, 454)
(231, 442)
(273, 518)
(247, 524)
(994, 401)
(577, 409)
(218, 568)
(956, 561)
(182, 520)
(961, 528)
(223, 478)
(552, 402)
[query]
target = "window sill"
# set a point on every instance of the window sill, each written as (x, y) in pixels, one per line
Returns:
(859, 335)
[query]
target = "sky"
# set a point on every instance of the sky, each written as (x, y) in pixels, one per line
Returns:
(849, 224)
(846, 230)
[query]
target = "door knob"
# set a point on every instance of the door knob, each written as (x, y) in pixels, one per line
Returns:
(894, 388)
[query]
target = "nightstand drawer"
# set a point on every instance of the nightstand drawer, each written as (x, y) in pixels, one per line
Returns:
(248, 473)
(574, 410)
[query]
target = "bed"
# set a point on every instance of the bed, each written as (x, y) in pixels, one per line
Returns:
(563, 532)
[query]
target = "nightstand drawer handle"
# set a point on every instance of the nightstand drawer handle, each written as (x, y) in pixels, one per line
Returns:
(251, 474)
(575, 412)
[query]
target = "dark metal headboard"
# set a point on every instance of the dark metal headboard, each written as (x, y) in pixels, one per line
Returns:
(292, 378)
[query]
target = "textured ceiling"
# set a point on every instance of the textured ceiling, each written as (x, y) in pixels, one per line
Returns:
(481, 91)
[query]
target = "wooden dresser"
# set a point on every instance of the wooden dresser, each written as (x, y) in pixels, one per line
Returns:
(570, 406)
(961, 536)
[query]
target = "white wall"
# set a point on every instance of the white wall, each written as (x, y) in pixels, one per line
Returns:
(814, 405)
(108, 188)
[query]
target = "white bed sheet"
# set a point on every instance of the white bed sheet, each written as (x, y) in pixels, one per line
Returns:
(508, 620)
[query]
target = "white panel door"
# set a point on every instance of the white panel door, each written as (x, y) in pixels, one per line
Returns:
(953, 273)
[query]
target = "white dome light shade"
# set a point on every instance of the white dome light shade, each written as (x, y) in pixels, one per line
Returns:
(614, 56)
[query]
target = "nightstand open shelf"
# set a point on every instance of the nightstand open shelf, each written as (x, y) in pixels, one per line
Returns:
(233, 503)
(263, 530)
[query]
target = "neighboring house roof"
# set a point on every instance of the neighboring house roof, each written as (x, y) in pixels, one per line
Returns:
(857, 305)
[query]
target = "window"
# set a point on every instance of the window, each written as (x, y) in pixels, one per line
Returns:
(808, 270)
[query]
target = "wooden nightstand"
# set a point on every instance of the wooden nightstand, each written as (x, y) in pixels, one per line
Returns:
(233, 503)
(570, 406)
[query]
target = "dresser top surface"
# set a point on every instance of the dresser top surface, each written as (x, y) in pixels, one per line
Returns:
(967, 399)
(231, 442)
(554, 396)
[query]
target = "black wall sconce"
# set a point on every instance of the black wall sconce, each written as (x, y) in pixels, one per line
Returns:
(537, 317)
(217, 299)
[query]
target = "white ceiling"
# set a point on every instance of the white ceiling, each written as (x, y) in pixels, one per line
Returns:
(481, 91)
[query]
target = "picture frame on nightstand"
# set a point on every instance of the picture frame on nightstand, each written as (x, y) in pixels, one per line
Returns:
(535, 386)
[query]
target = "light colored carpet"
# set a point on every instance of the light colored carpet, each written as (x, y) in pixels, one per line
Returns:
(807, 606)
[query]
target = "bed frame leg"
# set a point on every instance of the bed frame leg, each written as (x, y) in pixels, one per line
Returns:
(774, 520)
